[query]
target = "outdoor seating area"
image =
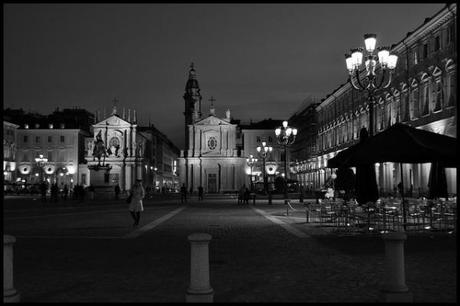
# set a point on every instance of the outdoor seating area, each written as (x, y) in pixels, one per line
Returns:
(385, 215)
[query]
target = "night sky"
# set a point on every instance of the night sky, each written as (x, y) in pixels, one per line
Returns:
(259, 60)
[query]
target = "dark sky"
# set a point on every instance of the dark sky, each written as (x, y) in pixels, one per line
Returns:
(259, 60)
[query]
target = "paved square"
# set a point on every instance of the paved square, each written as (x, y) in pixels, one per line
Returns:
(78, 253)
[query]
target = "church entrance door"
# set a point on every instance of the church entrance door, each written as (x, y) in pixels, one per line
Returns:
(212, 183)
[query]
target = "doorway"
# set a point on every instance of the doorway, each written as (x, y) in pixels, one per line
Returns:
(212, 183)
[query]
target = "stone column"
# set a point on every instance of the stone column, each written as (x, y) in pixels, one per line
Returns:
(199, 289)
(10, 295)
(395, 289)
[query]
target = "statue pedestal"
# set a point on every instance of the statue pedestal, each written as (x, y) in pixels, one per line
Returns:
(100, 181)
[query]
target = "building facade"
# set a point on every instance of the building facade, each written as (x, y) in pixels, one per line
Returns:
(62, 147)
(9, 151)
(211, 158)
(253, 135)
(422, 94)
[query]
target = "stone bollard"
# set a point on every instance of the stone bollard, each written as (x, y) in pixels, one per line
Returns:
(199, 290)
(395, 289)
(270, 197)
(10, 295)
(254, 199)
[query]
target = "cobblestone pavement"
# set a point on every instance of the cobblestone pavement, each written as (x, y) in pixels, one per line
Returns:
(251, 258)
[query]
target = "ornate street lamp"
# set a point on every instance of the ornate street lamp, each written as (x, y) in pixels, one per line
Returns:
(382, 63)
(285, 136)
(251, 161)
(41, 161)
(264, 152)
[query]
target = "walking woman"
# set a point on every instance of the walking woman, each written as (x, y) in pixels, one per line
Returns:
(135, 207)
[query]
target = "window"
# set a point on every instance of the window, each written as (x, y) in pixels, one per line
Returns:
(438, 101)
(25, 139)
(62, 139)
(37, 139)
(106, 177)
(413, 106)
(415, 57)
(270, 139)
(258, 139)
(437, 43)
(451, 33)
(425, 51)
(50, 139)
(451, 87)
(425, 100)
(212, 143)
(50, 156)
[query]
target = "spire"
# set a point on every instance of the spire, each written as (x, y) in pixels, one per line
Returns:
(129, 115)
(212, 110)
(124, 114)
(192, 82)
(134, 119)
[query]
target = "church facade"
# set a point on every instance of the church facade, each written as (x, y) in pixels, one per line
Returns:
(211, 158)
(120, 160)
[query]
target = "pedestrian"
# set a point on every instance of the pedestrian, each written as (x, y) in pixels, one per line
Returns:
(65, 192)
(246, 196)
(400, 189)
(43, 188)
(183, 194)
(117, 191)
(241, 195)
(135, 207)
(200, 193)
(54, 193)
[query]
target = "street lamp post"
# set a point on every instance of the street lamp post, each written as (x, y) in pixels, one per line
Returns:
(333, 177)
(264, 152)
(285, 136)
(383, 62)
(251, 161)
(41, 162)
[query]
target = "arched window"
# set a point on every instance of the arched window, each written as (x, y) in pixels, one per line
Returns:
(425, 96)
(413, 103)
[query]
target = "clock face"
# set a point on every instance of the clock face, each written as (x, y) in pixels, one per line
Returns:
(212, 143)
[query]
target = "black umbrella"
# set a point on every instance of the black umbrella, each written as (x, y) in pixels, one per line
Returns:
(366, 182)
(403, 144)
(437, 182)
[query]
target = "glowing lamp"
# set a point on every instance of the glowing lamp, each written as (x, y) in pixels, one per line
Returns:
(349, 62)
(392, 60)
(357, 57)
(277, 131)
(383, 56)
(369, 41)
(285, 124)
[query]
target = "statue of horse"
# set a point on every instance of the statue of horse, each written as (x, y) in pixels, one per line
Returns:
(99, 150)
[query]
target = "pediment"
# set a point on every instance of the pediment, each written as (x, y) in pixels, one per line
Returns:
(212, 120)
(113, 120)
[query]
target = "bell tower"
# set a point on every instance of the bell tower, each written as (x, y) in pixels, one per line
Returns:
(192, 99)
